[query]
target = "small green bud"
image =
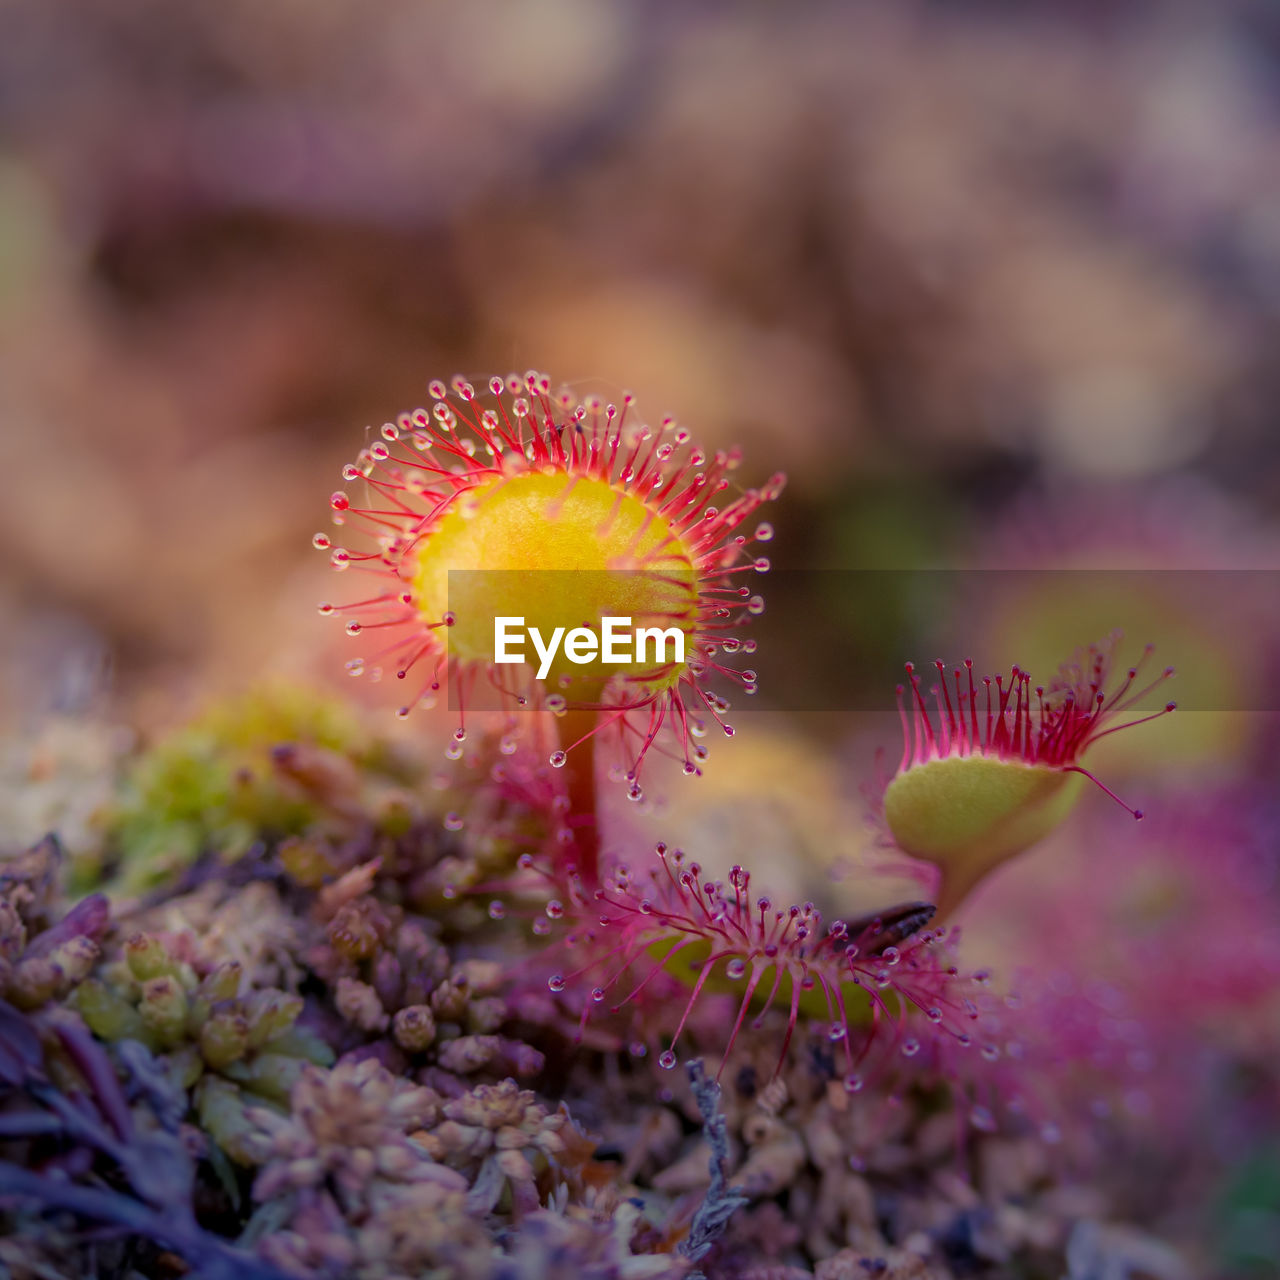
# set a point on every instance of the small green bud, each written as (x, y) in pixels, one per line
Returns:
(224, 1038)
(186, 1066)
(223, 983)
(268, 1075)
(222, 1112)
(108, 1015)
(164, 1009)
(147, 958)
(303, 1043)
(270, 1013)
(306, 862)
(396, 816)
(218, 988)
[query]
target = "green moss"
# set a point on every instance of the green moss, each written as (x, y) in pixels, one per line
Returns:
(227, 1049)
(222, 784)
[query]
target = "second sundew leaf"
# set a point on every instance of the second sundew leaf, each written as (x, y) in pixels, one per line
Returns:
(863, 982)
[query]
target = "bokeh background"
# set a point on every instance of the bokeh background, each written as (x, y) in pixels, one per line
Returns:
(923, 256)
(998, 285)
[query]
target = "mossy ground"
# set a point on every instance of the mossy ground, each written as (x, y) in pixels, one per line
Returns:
(288, 1040)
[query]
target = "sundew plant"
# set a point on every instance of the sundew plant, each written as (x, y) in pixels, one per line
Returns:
(529, 504)
(329, 1010)
(554, 512)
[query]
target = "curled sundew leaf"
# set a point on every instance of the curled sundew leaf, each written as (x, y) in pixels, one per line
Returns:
(996, 766)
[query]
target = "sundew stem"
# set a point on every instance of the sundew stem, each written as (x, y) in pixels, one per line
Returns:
(577, 731)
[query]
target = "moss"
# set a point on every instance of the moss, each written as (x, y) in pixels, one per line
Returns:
(271, 764)
(228, 1048)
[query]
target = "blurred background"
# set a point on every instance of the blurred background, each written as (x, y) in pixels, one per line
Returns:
(925, 257)
(997, 285)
